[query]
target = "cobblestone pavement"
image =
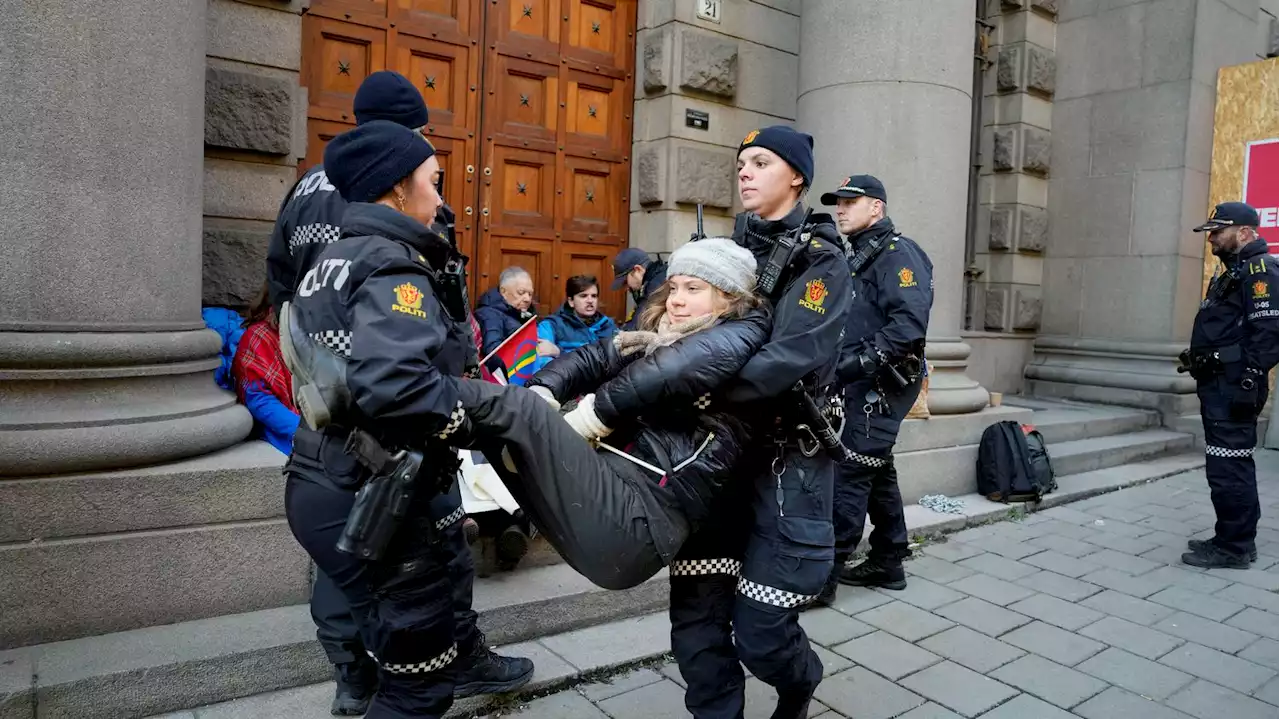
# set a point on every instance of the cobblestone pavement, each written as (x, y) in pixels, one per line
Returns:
(1082, 610)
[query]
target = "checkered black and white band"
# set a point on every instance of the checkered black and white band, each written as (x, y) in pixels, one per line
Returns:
(703, 402)
(765, 594)
(870, 461)
(433, 664)
(337, 340)
(1212, 451)
(454, 516)
(455, 421)
(704, 567)
(318, 233)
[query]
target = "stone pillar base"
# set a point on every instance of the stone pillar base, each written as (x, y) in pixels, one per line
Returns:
(1131, 374)
(950, 390)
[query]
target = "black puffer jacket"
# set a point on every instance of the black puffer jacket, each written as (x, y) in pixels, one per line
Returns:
(665, 406)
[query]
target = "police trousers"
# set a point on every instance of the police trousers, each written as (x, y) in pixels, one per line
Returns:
(868, 483)
(413, 607)
(336, 627)
(739, 583)
(1230, 438)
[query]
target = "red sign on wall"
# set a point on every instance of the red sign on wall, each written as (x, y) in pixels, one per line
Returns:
(1262, 187)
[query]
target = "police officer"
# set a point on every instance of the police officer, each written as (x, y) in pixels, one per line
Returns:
(732, 604)
(388, 298)
(881, 366)
(1233, 347)
(641, 274)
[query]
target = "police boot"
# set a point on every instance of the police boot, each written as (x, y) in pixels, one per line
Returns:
(484, 672)
(873, 574)
(356, 683)
(795, 706)
(1211, 556)
(1195, 545)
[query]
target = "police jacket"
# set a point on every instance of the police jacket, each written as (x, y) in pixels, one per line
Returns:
(808, 309)
(663, 403)
(892, 296)
(654, 277)
(369, 298)
(1239, 313)
(498, 319)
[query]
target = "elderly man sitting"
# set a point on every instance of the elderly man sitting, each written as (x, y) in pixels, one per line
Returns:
(502, 310)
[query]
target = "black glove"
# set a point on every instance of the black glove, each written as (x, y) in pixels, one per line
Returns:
(1246, 397)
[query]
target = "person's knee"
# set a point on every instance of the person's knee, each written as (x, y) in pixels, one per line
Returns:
(770, 643)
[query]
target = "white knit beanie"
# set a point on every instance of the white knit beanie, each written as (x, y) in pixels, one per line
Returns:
(719, 261)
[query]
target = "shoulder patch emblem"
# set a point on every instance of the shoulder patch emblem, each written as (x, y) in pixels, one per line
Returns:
(906, 278)
(751, 136)
(409, 301)
(1261, 290)
(815, 293)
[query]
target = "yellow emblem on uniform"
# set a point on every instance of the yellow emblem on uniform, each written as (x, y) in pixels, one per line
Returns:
(751, 136)
(906, 278)
(409, 301)
(815, 293)
(1261, 290)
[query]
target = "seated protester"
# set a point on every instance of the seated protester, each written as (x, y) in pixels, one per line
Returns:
(618, 512)
(262, 381)
(504, 309)
(577, 323)
(230, 326)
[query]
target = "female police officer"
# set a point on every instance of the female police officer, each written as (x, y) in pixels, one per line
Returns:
(387, 298)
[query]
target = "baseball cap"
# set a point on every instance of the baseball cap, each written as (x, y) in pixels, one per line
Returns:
(1229, 214)
(623, 263)
(857, 186)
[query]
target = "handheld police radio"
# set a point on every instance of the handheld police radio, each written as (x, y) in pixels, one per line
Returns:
(698, 234)
(784, 250)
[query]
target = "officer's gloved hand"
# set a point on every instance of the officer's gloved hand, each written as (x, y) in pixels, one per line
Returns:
(584, 421)
(1246, 398)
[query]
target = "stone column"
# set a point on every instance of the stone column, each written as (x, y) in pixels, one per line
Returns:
(887, 89)
(104, 359)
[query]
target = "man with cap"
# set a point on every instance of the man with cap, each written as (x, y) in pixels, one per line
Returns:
(641, 274)
(881, 368)
(738, 585)
(1233, 347)
(310, 219)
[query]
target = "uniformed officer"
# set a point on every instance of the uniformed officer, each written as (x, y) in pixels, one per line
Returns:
(881, 366)
(642, 275)
(1233, 347)
(742, 603)
(389, 299)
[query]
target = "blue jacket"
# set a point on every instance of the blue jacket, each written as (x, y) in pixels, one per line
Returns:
(498, 320)
(227, 324)
(566, 330)
(276, 422)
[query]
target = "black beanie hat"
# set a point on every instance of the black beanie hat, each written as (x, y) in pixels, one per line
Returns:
(794, 147)
(366, 162)
(387, 95)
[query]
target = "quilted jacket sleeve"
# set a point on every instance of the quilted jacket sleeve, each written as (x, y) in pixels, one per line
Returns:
(573, 374)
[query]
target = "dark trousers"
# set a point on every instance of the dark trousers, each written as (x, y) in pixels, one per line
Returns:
(1230, 438)
(336, 628)
(725, 610)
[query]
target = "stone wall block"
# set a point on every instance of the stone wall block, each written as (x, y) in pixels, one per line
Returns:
(993, 309)
(245, 110)
(649, 177)
(654, 60)
(1273, 38)
(1012, 5)
(1042, 68)
(1048, 7)
(705, 176)
(1033, 229)
(1001, 235)
(708, 63)
(233, 260)
(1003, 151)
(1026, 314)
(1036, 144)
(1008, 61)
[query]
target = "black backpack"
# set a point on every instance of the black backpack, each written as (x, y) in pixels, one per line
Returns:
(1013, 464)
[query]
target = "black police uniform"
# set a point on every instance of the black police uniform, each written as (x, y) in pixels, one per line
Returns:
(892, 296)
(743, 583)
(655, 275)
(1233, 346)
(369, 299)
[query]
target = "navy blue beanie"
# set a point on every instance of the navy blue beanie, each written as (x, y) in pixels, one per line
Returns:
(366, 162)
(794, 147)
(387, 95)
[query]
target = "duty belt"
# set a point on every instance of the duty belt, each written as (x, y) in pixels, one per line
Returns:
(1202, 362)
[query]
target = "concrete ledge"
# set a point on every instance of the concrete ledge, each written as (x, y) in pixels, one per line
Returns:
(943, 431)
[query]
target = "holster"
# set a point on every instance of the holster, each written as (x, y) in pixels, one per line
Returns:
(814, 430)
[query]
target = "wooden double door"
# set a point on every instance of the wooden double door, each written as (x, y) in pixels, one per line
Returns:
(530, 112)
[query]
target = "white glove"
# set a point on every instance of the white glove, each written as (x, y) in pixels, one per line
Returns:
(584, 421)
(545, 393)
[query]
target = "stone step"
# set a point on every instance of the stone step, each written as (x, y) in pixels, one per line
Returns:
(159, 669)
(1067, 421)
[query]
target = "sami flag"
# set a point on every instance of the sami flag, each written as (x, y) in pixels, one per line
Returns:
(512, 361)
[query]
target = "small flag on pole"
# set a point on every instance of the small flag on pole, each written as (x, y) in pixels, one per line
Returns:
(512, 361)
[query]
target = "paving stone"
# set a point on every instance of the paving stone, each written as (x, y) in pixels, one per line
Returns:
(1053, 643)
(1051, 682)
(1252, 596)
(619, 684)
(1159, 510)
(1110, 510)
(1233, 672)
(655, 701)
(1176, 527)
(1196, 603)
(952, 551)
(983, 616)
(299, 701)
(1132, 672)
(1069, 546)
(887, 655)
(1210, 701)
(1268, 581)
(1009, 545)
(1025, 706)
(905, 621)
(1256, 621)
(1057, 612)
(1138, 611)
(1264, 651)
(1202, 631)
(968, 648)
(854, 600)
(959, 689)
(1069, 515)
(614, 643)
(936, 570)
(1069, 530)
(1140, 587)
(1060, 563)
(1133, 638)
(1169, 539)
(996, 591)
(1166, 554)
(1269, 692)
(1119, 704)
(998, 567)
(831, 662)
(762, 698)
(562, 705)
(1121, 561)
(924, 594)
(1111, 527)
(829, 627)
(1196, 581)
(930, 711)
(858, 692)
(1054, 584)
(671, 670)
